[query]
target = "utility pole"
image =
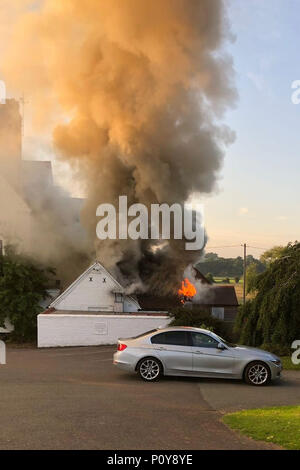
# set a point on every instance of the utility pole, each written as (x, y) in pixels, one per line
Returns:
(245, 268)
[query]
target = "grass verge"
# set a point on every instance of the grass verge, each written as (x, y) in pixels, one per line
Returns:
(280, 425)
(288, 365)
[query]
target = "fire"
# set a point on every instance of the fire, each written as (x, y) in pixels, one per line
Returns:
(187, 291)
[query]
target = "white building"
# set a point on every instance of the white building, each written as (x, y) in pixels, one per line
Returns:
(94, 310)
(95, 291)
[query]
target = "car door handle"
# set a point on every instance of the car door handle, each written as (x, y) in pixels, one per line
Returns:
(199, 352)
(161, 349)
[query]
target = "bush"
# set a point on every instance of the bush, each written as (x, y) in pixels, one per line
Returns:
(277, 349)
(201, 318)
(23, 286)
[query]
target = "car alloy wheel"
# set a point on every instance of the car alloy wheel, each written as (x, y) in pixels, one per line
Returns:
(149, 369)
(257, 374)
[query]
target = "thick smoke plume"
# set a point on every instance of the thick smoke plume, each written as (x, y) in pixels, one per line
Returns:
(134, 90)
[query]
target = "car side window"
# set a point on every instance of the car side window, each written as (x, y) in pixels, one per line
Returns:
(175, 338)
(202, 340)
(158, 339)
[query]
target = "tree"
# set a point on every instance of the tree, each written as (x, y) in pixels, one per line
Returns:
(272, 318)
(223, 267)
(251, 276)
(22, 287)
(272, 254)
(210, 277)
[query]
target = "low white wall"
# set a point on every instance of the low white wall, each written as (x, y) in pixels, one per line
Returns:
(92, 330)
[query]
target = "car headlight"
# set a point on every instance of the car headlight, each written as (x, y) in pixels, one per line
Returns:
(276, 361)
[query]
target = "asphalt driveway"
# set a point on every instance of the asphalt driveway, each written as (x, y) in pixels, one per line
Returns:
(76, 399)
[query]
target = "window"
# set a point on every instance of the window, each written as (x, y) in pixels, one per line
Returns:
(118, 298)
(218, 312)
(176, 338)
(201, 340)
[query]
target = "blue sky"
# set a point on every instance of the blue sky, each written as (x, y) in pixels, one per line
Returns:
(259, 190)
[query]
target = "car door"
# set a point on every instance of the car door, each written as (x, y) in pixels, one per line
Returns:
(208, 359)
(174, 350)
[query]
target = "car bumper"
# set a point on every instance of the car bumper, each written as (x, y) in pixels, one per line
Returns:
(120, 360)
(275, 370)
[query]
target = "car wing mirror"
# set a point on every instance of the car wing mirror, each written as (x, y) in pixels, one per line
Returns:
(221, 346)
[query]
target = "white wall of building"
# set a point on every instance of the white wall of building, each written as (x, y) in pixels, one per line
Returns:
(94, 291)
(91, 330)
(130, 305)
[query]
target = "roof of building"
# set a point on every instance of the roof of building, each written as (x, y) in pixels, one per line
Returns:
(200, 276)
(215, 296)
(221, 296)
(154, 302)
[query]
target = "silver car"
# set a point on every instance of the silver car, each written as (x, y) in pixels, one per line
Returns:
(188, 351)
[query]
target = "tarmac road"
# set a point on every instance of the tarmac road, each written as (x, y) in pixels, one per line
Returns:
(74, 398)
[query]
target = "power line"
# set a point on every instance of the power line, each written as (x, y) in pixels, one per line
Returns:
(257, 247)
(225, 246)
(237, 246)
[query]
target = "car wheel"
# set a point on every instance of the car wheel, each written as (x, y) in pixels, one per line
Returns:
(149, 369)
(257, 373)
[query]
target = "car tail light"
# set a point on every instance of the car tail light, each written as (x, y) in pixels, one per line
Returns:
(121, 347)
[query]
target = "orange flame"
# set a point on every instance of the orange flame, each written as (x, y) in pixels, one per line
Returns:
(188, 290)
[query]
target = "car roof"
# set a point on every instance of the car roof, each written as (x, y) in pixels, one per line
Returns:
(182, 328)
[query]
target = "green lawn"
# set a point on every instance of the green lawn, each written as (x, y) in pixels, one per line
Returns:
(280, 425)
(288, 365)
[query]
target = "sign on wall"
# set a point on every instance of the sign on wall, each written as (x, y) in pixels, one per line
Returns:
(101, 328)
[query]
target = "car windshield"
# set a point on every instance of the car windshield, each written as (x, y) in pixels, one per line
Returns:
(230, 345)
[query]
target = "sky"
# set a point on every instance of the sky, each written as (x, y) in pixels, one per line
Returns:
(258, 190)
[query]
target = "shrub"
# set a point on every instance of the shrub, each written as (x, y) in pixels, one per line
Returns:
(22, 287)
(201, 318)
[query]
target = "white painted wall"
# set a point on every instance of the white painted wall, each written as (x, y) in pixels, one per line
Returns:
(91, 330)
(130, 305)
(94, 291)
(90, 295)
(2, 353)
